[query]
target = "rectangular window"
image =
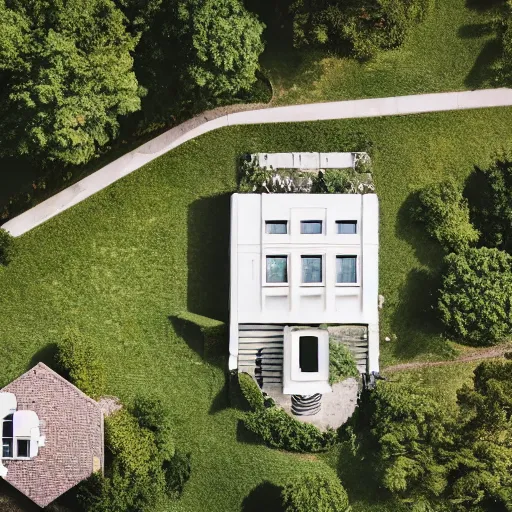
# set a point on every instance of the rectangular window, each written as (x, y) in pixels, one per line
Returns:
(311, 269)
(308, 354)
(6, 447)
(276, 227)
(346, 227)
(23, 448)
(346, 269)
(7, 426)
(277, 269)
(311, 227)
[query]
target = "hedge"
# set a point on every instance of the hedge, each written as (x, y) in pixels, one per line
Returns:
(251, 391)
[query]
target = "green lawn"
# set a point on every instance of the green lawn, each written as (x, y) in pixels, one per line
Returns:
(453, 49)
(119, 265)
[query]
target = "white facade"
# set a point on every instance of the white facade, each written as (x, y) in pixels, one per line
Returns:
(307, 161)
(255, 300)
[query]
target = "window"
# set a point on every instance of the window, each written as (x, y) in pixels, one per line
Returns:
(311, 227)
(308, 354)
(346, 227)
(346, 269)
(276, 227)
(311, 269)
(7, 426)
(23, 448)
(277, 269)
(7, 448)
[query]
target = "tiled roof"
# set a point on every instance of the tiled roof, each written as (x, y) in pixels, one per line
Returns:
(73, 425)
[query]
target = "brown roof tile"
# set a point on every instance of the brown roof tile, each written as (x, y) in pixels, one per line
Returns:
(73, 425)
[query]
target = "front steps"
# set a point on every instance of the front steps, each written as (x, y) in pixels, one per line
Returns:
(260, 352)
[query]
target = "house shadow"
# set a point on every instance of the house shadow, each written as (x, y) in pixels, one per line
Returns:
(483, 5)
(208, 257)
(264, 497)
(46, 355)
(11, 500)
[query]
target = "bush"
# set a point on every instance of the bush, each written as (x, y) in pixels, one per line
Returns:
(445, 214)
(154, 416)
(6, 247)
(363, 28)
(177, 472)
(321, 493)
(475, 300)
(77, 359)
(280, 430)
(341, 363)
(251, 391)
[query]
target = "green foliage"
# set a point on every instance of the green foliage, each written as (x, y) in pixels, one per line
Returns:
(143, 472)
(343, 181)
(177, 472)
(484, 472)
(492, 208)
(6, 247)
(152, 415)
(320, 493)
(445, 213)
(341, 363)
(412, 434)
(68, 76)
(251, 391)
(363, 27)
(279, 430)
(78, 359)
(475, 301)
(225, 45)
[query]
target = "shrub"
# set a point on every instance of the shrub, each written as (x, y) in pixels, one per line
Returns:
(445, 214)
(343, 181)
(78, 359)
(152, 415)
(320, 493)
(6, 247)
(177, 472)
(251, 391)
(280, 430)
(475, 300)
(341, 363)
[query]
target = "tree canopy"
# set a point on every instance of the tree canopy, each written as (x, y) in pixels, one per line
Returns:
(66, 77)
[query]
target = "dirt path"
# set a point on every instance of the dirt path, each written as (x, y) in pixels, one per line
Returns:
(489, 353)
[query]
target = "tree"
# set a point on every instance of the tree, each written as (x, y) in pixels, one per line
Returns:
(475, 300)
(413, 442)
(225, 45)
(321, 493)
(445, 213)
(483, 478)
(66, 77)
(492, 205)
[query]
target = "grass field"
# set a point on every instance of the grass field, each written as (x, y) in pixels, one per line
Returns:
(120, 265)
(453, 49)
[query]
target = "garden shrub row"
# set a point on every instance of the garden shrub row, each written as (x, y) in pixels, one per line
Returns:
(342, 364)
(279, 430)
(251, 391)
(6, 247)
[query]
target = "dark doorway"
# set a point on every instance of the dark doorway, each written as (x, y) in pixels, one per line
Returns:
(308, 354)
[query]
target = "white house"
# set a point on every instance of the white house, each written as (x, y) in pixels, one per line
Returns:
(301, 260)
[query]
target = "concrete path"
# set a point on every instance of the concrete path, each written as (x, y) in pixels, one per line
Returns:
(213, 120)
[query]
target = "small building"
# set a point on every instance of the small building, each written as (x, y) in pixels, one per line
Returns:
(52, 435)
(303, 266)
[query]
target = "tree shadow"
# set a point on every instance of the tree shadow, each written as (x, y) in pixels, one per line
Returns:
(426, 250)
(483, 72)
(266, 497)
(208, 257)
(415, 321)
(483, 5)
(476, 30)
(222, 399)
(46, 355)
(243, 435)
